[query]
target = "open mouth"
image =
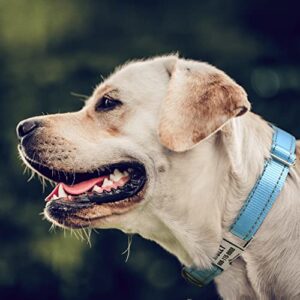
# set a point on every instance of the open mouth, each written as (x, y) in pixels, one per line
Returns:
(117, 185)
(110, 183)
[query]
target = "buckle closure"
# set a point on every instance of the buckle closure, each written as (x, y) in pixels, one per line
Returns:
(228, 252)
(283, 161)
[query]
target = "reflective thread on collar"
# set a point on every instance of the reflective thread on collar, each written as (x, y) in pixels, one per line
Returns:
(255, 208)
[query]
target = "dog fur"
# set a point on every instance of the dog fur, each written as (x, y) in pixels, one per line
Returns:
(190, 125)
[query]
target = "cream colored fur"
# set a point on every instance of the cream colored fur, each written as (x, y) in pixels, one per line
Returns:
(193, 195)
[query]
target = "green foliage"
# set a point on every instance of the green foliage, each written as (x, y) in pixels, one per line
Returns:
(49, 49)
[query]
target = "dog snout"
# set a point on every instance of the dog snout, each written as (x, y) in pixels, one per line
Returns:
(26, 126)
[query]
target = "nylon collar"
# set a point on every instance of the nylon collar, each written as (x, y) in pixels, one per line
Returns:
(254, 210)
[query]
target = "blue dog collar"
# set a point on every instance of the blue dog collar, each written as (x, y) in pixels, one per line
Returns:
(254, 210)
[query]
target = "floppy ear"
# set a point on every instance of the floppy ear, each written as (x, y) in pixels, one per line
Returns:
(199, 101)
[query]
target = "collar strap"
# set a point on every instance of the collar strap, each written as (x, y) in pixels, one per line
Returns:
(254, 210)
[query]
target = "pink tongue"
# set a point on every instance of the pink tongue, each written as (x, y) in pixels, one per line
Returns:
(78, 188)
(83, 186)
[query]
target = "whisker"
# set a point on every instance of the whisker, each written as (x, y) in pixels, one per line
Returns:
(80, 234)
(87, 233)
(52, 228)
(95, 230)
(26, 169)
(31, 176)
(81, 97)
(76, 235)
(127, 251)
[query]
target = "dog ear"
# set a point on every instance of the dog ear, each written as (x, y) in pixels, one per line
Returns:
(199, 101)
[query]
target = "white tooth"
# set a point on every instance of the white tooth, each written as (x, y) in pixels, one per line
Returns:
(125, 173)
(116, 176)
(61, 192)
(54, 197)
(97, 189)
(106, 182)
(117, 172)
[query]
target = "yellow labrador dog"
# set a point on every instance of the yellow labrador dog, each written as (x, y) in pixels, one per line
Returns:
(168, 149)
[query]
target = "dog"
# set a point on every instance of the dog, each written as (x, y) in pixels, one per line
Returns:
(168, 148)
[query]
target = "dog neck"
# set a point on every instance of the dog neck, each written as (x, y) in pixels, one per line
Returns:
(218, 175)
(206, 189)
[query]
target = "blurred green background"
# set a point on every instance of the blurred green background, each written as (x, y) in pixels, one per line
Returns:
(49, 49)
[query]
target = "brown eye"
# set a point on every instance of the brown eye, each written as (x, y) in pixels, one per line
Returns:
(106, 104)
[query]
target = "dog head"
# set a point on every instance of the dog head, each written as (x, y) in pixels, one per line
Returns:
(125, 155)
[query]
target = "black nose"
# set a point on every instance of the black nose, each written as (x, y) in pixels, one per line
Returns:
(25, 127)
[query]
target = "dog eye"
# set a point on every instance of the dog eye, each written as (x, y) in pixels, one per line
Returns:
(107, 103)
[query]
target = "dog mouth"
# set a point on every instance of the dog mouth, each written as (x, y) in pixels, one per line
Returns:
(110, 183)
(76, 196)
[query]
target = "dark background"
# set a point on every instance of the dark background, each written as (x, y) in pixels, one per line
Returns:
(51, 48)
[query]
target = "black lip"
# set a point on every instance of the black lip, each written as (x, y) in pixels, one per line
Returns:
(60, 209)
(76, 177)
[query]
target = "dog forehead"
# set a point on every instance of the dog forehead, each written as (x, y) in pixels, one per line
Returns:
(133, 69)
(140, 78)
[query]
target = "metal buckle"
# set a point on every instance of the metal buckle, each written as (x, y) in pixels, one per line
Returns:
(283, 161)
(228, 252)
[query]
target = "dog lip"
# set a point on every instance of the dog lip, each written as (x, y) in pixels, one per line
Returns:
(60, 209)
(74, 177)
(80, 213)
